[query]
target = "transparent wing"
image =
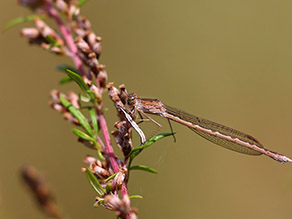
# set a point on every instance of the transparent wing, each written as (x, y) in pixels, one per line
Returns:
(216, 127)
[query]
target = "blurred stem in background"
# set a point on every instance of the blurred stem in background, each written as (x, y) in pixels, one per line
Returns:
(41, 191)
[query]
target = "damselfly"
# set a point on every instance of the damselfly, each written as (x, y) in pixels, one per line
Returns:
(219, 134)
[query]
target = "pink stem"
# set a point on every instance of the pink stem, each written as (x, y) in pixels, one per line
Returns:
(124, 189)
(109, 149)
(67, 36)
(107, 141)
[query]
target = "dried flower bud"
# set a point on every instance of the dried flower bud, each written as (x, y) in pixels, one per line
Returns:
(122, 134)
(97, 49)
(119, 178)
(83, 57)
(80, 32)
(55, 94)
(113, 92)
(94, 42)
(74, 99)
(99, 163)
(62, 5)
(73, 11)
(82, 45)
(53, 49)
(89, 159)
(122, 138)
(32, 33)
(97, 92)
(123, 93)
(84, 23)
(93, 63)
(112, 202)
(122, 207)
(98, 39)
(44, 29)
(101, 77)
(133, 214)
(68, 116)
(59, 108)
(99, 170)
(94, 89)
(91, 38)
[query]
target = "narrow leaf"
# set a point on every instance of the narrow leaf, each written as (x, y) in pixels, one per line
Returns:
(91, 95)
(84, 87)
(64, 67)
(142, 167)
(78, 115)
(94, 182)
(108, 187)
(93, 118)
(84, 136)
(148, 143)
(20, 20)
(84, 99)
(78, 79)
(65, 80)
(134, 152)
(135, 196)
(157, 137)
(99, 154)
(111, 177)
(52, 41)
(81, 3)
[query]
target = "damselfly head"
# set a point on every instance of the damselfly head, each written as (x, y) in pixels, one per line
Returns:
(132, 99)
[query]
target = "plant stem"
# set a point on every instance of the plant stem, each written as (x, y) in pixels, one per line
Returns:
(108, 146)
(67, 36)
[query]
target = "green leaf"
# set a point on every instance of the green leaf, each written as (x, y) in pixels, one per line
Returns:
(93, 118)
(78, 115)
(84, 87)
(91, 95)
(65, 80)
(52, 41)
(111, 177)
(134, 152)
(108, 187)
(142, 167)
(157, 137)
(94, 182)
(148, 143)
(78, 79)
(64, 67)
(135, 196)
(100, 156)
(20, 20)
(84, 99)
(84, 136)
(81, 3)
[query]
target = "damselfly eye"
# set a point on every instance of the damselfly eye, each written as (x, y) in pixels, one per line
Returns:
(131, 99)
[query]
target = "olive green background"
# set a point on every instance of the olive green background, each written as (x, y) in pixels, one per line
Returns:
(229, 61)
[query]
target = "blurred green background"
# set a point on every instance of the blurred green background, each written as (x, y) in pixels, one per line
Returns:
(228, 61)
